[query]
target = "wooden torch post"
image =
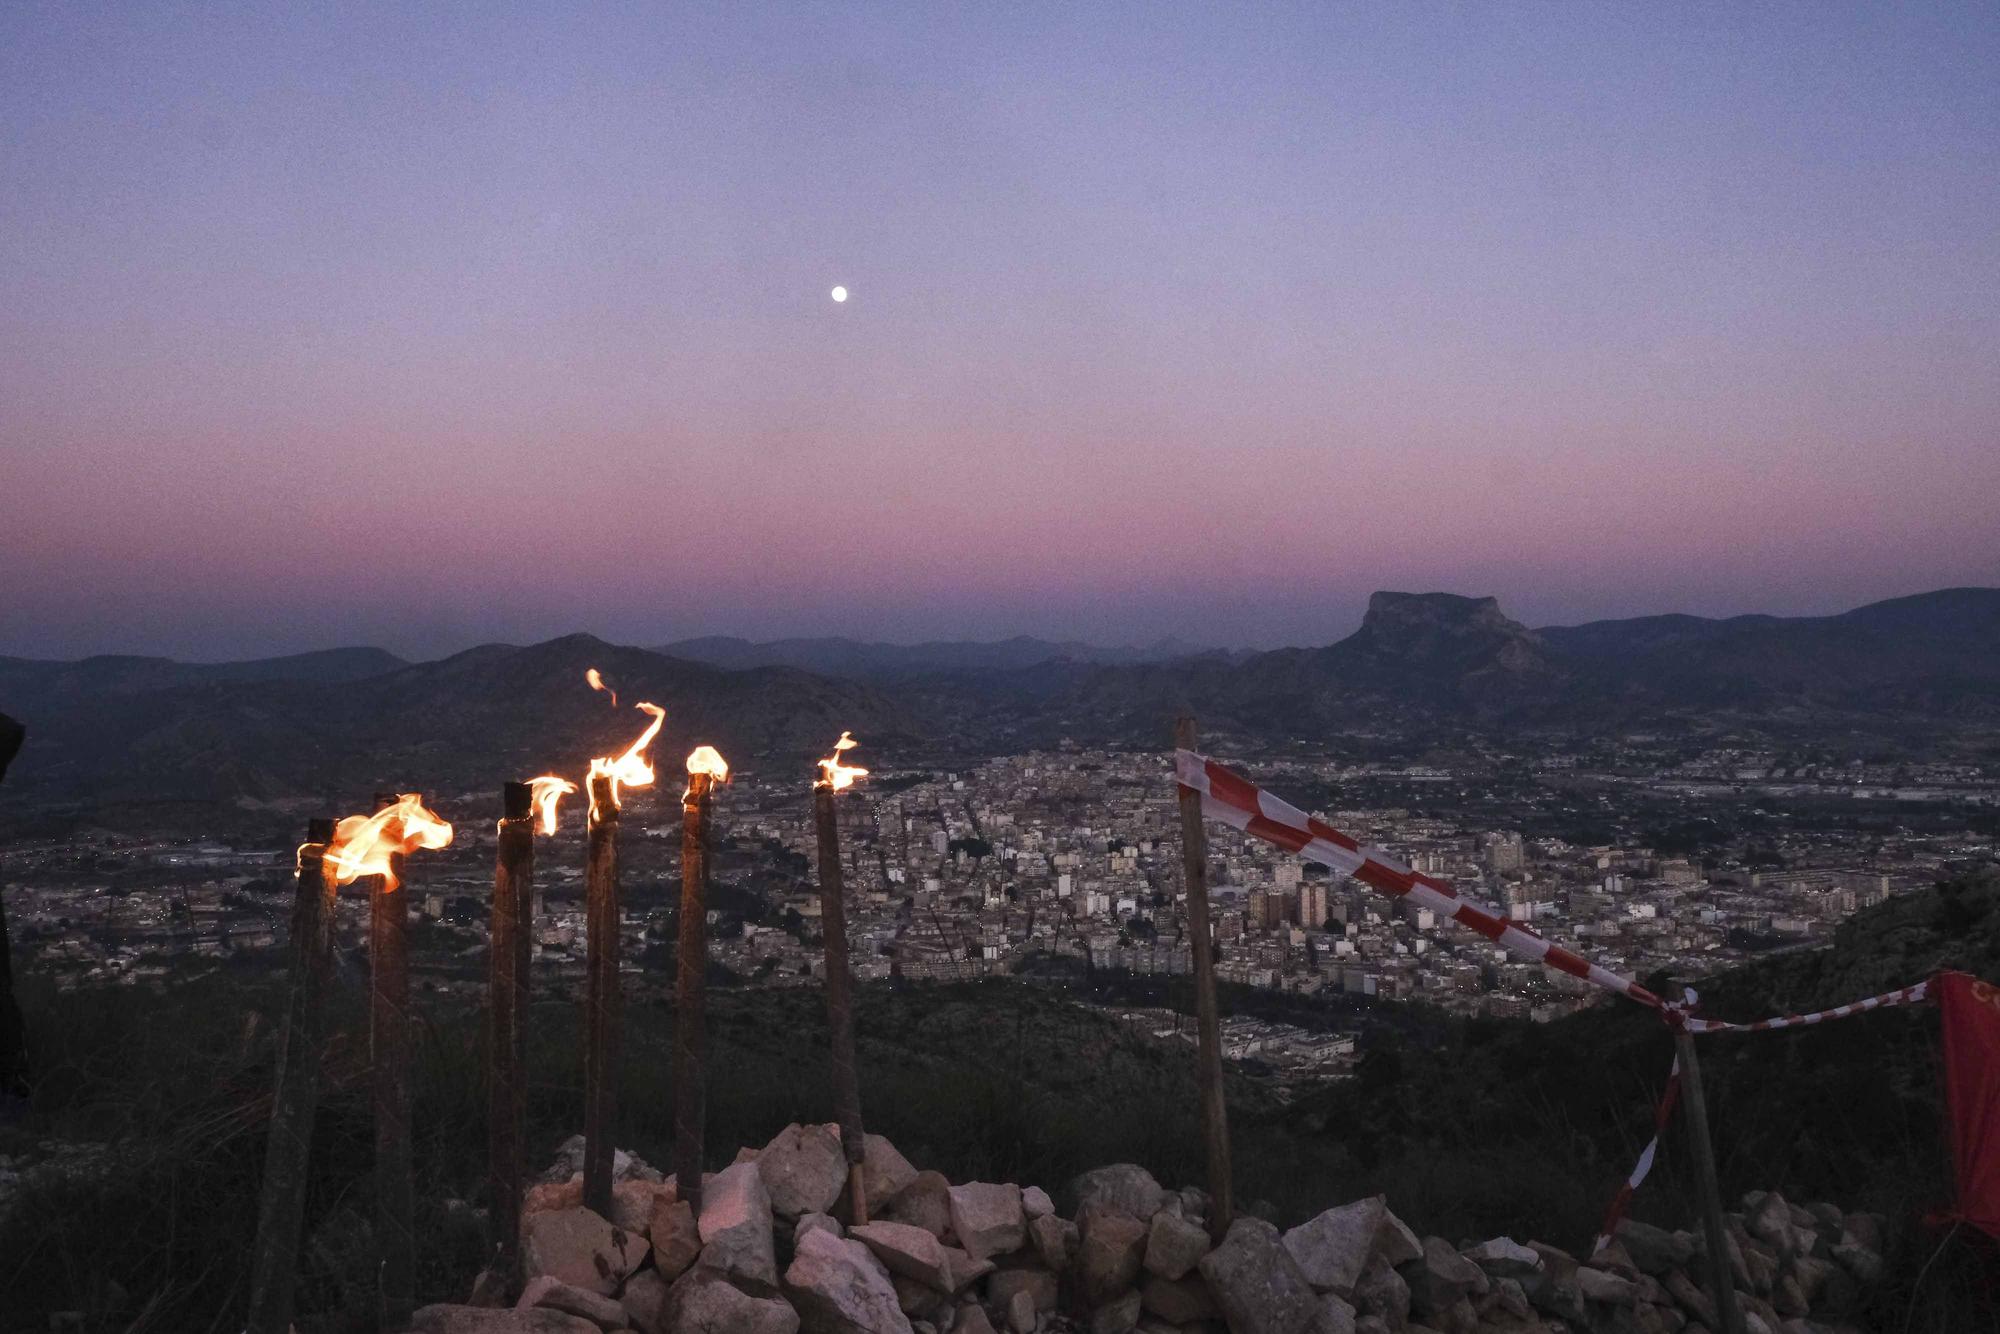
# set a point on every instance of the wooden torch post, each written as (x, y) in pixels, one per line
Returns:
(840, 999)
(287, 1155)
(1208, 1073)
(690, 1021)
(389, 1044)
(601, 1004)
(1721, 1288)
(506, 1008)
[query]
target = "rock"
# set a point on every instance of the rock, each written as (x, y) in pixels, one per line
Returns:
(803, 1170)
(1112, 1245)
(1502, 1257)
(676, 1239)
(1381, 1291)
(1395, 1242)
(449, 1319)
(924, 1203)
(1865, 1230)
(565, 1194)
(557, 1295)
(735, 1225)
(1039, 1284)
(1178, 1301)
(1554, 1290)
(579, 1248)
(1035, 1202)
(1440, 1277)
(1788, 1297)
(632, 1206)
(839, 1287)
(489, 1289)
(906, 1249)
(1257, 1283)
(1600, 1286)
(986, 1217)
(744, 1154)
(1333, 1247)
(645, 1302)
(1174, 1245)
(1334, 1316)
(1614, 1257)
(1827, 1217)
(1125, 1187)
(1020, 1312)
(965, 1271)
(1507, 1303)
(1054, 1239)
(704, 1301)
(824, 1222)
(1864, 1264)
(885, 1173)
(1118, 1316)
(1691, 1296)
(916, 1298)
(1772, 1222)
(972, 1320)
(1655, 1250)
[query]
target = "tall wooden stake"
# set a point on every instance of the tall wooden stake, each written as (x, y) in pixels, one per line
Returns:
(507, 1014)
(389, 1044)
(600, 1052)
(1208, 1073)
(288, 1153)
(840, 999)
(1721, 1289)
(690, 1019)
(13, 1031)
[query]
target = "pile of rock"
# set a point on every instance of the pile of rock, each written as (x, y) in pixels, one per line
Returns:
(775, 1252)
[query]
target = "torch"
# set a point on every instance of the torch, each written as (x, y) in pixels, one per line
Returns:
(521, 805)
(835, 776)
(705, 769)
(601, 987)
(281, 1203)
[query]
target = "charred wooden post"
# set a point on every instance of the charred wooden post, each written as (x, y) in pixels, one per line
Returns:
(1721, 1288)
(601, 996)
(691, 996)
(13, 1032)
(840, 999)
(506, 1009)
(1208, 1073)
(288, 1154)
(389, 1045)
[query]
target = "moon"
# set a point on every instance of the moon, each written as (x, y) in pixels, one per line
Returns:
(838, 294)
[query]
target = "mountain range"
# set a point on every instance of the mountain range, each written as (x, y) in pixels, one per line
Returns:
(345, 720)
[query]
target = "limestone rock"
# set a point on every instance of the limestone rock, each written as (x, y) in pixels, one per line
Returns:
(1553, 1289)
(735, 1226)
(1174, 1245)
(676, 1239)
(1440, 1278)
(1118, 1316)
(924, 1203)
(1112, 1245)
(1772, 1223)
(1178, 1301)
(579, 1248)
(645, 1302)
(1021, 1315)
(1395, 1242)
(564, 1194)
(1502, 1257)
(1055, 1240)
(965, 1271)
(839, 1287)
(884, 1172)
(704, 1301)
(972, 1320)
(1864, 1264)
(1257, 1283)
(1600, 1286)
(917, 1299)
(1655, 1250)
(1691, 1296)
(803, 1170)
(986, 1217)
(1333, 1247)
(1039, 1284)
(906, 1249)
(632, 1205)
(556, 1295)
(1035, 1202)
(825, 1222)
(1381, 1291)
(1334, 1316)
(450, 1319)
(1126, 1187)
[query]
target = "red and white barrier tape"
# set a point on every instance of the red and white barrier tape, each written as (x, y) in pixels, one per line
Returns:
(1623, 1198)
(1241, 804)
(1904, 996)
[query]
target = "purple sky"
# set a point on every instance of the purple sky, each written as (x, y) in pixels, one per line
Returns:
(341, 324)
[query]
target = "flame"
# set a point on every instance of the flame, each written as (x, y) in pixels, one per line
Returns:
(547, 791)
(629, 769)
(834, 774)
(596, 679)
(707, 760)
(363, 844)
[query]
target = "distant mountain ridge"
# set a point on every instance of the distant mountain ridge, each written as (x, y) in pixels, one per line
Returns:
(836, 656)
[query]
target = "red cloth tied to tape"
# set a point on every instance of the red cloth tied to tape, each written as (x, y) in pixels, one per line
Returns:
(1970, 1011)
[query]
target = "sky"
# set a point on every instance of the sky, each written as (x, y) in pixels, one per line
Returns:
(426, 326)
